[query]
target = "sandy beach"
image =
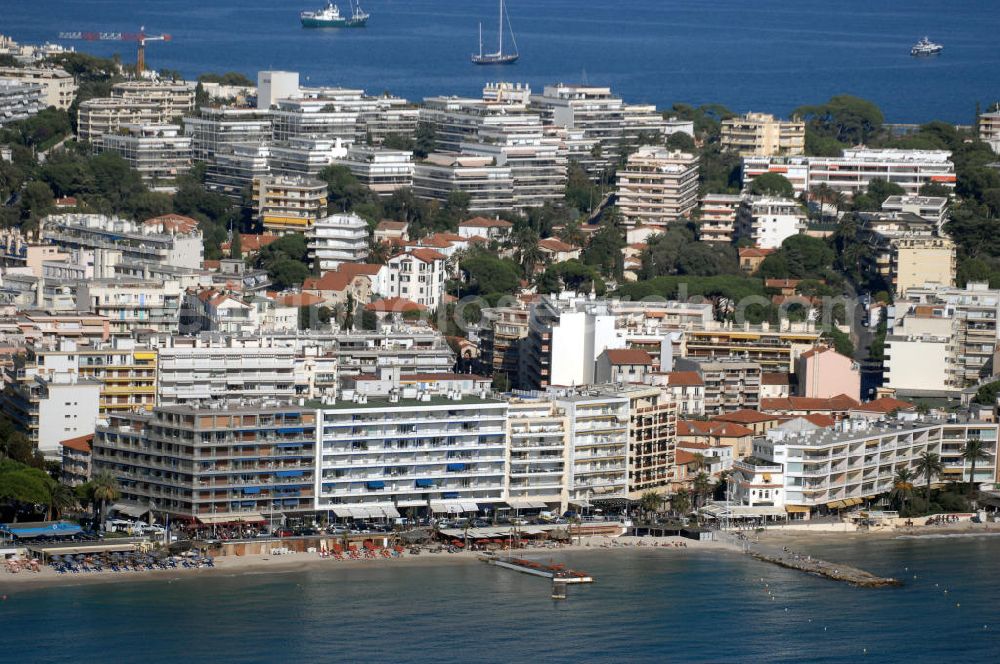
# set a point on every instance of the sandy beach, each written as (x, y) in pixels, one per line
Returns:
(299, 562)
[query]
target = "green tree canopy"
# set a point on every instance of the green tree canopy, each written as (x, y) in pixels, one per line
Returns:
(844, 118)
(772, 184)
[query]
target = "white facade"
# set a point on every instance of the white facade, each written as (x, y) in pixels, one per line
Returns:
(336, 239)
(657, 186)
(381, 170)
(67, 408)
(199, 368)
(434, 454)
(853, 172)
(857, 460)
(538, 449)
(599, 443)
(158, 152)
(490, 187)
(768, 221)
(275, 85)
(19, 100)
(418, 275)
(58, 87)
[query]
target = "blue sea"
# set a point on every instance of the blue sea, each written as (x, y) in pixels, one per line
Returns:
(765, 55)
(664, 605)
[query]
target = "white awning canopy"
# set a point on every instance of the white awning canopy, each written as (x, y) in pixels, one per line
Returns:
(131, 509)
(232, 517)
(526, 504)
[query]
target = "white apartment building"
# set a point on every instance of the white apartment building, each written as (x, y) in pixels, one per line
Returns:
(411, 452)
(58, 86)
(418, 275)
(537, 162)
(957, 327)
(288, 204)
(762, 134)
(767, 220)
(175, 97)
(304, 156)
(841, 467)
(19, 100)
(538, 454)
(854, 171)
(234, 169)
(106, 115)
(336, 239)
(179, 245)
(930, 208)
(218, 130)
(213, 367)
(594, 110)
(132, 305)
(718, 217)
(565, 337)
(599, 445)
(380, 169)
(644, 125)
(657, 187)
(317, 118)
(490, 187)
(158, 152)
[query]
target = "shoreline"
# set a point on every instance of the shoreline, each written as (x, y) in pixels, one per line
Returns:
(265, 564)
(258, 564)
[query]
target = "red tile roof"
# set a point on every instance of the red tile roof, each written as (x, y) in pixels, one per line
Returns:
(712, 428)
(839, 403)
(300, 300)
(427, 255)
(395, 305)
(774, 378)
(556, 246)
(619, 356)
(884, 405)
(754, 252)
(745, 416)
(684, 378)
(390, 225)
(80, 443)
(781, 283)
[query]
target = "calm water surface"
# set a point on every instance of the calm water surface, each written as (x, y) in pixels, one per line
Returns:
(650, 606)
(764, 55)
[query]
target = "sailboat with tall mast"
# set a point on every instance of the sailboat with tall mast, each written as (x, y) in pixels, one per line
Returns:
(498, 58)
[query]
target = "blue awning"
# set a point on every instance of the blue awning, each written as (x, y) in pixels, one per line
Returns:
(286, 445)
(290, 473)
(375, 485)
(293, 501)
(454, 467)
(291, 430)
(251, 489)
(249, 503)
(448, 495)
(425, 484)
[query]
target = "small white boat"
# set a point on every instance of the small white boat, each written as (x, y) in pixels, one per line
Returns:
(926, 47)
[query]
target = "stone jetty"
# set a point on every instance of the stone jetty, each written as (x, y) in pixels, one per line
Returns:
(837, 572)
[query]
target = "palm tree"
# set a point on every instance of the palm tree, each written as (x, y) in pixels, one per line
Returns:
(929, 464)
(61, 498)
(974, 450)
(702, 485)
(680, 502)
(529, 253)
(902, 486)
(650, 502)
(105, 490)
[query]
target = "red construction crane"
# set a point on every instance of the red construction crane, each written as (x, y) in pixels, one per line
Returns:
(141, 37)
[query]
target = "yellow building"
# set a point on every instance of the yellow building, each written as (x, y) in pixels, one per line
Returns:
(775, 348)
(761, 134)
(289, 204)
